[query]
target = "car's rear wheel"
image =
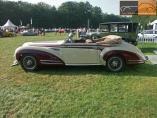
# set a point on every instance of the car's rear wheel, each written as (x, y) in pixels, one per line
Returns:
(29, 63)
(115, 64)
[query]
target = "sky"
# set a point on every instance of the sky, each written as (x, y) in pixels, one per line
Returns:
(107, 6)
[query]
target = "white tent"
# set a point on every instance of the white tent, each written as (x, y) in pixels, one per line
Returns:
(9, 25)
(154, 22)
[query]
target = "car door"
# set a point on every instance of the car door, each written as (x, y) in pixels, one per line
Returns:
(80, 54)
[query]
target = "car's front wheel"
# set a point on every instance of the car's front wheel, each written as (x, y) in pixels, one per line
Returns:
(29, 63)
(115, 64)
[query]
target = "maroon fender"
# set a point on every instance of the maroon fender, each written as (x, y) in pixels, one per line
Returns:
(129, 57)
(44, 58)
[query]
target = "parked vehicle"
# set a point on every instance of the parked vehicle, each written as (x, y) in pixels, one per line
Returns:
(7, 34)
(29, 33)
(148, 34)
(127, 30)
(91, 35)
(69, 52)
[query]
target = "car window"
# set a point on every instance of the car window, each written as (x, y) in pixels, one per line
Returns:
(123, 28)
(114, 28)
(104, 28)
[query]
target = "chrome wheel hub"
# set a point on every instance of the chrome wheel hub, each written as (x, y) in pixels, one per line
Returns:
(29, 63)
(114, 63)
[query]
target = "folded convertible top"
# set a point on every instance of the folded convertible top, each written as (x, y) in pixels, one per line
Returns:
(110, 39)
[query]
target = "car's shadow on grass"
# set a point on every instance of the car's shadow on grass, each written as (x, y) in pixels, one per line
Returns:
(147, 70)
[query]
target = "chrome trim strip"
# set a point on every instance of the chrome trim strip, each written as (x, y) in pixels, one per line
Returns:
(55, 49)
(83, 64)
(136, 60)
(51, 63)
(48, 61)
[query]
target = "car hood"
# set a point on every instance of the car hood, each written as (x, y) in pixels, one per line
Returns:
(43, 43)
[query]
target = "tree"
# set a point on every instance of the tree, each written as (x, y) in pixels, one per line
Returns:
(69, 14)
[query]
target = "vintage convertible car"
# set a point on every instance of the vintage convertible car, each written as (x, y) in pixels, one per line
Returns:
(69, 52)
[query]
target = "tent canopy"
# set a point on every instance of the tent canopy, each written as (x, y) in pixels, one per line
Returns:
(9, 25)
(154, 22)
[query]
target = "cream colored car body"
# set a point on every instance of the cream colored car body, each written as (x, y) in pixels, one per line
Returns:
(80, 53)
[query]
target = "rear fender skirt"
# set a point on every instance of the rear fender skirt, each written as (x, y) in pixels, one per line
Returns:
(44, 58)
(129, 57)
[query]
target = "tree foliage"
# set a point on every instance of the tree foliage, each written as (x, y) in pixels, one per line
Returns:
(69, 14)
(144, 20)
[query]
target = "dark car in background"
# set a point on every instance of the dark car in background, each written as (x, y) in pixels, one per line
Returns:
(29, 33)
(127, 30)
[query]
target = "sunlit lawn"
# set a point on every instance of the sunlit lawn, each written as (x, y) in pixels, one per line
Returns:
(75, 91)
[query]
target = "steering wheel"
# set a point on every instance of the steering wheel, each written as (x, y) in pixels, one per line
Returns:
(69, 40)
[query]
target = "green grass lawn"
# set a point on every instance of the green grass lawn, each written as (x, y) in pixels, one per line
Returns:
(68, 92)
